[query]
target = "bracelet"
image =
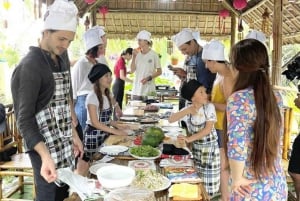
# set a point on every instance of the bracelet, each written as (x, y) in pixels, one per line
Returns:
(149, 78)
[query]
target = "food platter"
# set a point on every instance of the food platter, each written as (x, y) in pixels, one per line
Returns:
(145, 158)
(166, 184)
(113, 149)
(149, 120)
(150, 180)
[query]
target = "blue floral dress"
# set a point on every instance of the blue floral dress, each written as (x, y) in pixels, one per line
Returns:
(241, 114)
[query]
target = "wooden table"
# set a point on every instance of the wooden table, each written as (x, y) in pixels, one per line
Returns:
(160, 195)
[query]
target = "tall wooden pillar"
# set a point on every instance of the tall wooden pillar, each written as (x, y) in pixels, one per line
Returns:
(233, 29)
(277, 43)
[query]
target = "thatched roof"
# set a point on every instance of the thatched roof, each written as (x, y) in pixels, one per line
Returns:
(125, 18)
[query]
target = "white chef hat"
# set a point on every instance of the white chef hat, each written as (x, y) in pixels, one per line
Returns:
(185, 35)
(91, 39)
(214, 51)
(61, 15)
(258, 35)
(144, 35)
(100, 30)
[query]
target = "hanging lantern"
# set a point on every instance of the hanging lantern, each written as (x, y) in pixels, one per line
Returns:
(239, 4)
(89, 1)
(222, 15)
(266, 24)
(103, 10)
(87, 23)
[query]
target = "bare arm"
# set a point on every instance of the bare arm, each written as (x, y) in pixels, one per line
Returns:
(220, 106)
(205, 131)
(92, 109)
(133, 66)
(179, 115)
(123, 77)
(48, 171)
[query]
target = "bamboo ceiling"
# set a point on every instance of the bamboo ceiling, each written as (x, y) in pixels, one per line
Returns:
(163, 18)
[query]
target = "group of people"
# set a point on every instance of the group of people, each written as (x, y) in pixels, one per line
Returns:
(234, 120)
(229, 108)
(64, 114)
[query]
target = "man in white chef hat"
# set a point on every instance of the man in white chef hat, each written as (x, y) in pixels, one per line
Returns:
(146, 65)
(41, 92)
(194, 68)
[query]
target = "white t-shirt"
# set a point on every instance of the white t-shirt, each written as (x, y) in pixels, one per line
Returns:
(93, 100)
(146, 65)
(80, 82)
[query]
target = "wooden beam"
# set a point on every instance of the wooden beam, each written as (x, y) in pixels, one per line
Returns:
(287, 36)
(254, 7)
(233, 29)
(277, 43)
(185, 12)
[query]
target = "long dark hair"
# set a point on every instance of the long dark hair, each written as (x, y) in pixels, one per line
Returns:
(99, 94)
(93, 52)
(250, 58)
(127, 51)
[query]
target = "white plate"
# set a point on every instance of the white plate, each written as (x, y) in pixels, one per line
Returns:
(127, 118)
(113, 149)
(166, 184)
(143, 181)
(142, 164)
(146, 158)
(93, 169)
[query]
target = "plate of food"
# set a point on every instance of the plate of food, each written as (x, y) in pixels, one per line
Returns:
(144, 152)
(149, 120)
(113, 149)
(150, 180)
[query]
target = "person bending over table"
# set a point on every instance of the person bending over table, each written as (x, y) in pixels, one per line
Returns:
(201, 117)
(99, 106)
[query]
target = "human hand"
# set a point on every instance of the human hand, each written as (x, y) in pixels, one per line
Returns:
(146, 79)
(179, 72)
(78, 146)
(118, 112)
(135, 51)
(242, 187)
(120, 132)
(181, 138)
(48, 171)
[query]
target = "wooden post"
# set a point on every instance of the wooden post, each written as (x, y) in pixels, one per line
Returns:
(277, 43)
(233, 29)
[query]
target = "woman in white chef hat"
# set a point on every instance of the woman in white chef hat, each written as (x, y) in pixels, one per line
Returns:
(146, 65)
(80, 82)
(213, 56)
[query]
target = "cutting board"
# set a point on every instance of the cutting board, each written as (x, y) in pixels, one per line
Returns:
(175, 142)
(119, 140)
